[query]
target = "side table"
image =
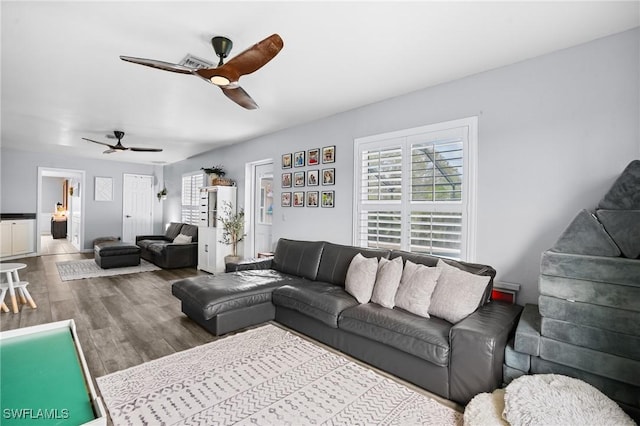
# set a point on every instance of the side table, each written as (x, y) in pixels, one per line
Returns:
(13, 282)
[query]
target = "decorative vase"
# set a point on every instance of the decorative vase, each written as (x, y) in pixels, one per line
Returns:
(232, 259)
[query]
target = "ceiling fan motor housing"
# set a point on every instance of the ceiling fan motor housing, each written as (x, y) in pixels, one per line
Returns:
(222, 46)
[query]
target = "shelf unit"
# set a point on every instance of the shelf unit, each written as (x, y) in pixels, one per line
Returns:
(211, 252)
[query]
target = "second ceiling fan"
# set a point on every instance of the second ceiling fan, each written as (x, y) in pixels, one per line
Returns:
(226, 75)
(119, 134)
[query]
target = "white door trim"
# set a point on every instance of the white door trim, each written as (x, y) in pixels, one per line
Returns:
(249, 203)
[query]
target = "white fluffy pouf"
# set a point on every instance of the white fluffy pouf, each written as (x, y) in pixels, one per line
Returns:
(485, 409)
(553, 399)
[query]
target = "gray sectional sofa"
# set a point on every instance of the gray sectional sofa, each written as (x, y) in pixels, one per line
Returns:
(303, 288)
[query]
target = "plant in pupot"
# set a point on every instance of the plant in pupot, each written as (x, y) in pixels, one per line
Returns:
(162, 195)
(233, 230)
(218, 170)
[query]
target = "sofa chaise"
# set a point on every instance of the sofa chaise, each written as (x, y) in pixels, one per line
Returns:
(303, 288)
(177, 248)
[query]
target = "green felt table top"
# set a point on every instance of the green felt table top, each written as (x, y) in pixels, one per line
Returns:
(41, 381)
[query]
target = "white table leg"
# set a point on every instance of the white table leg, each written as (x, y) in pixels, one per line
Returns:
(21, 293)
(3, 293)
(25, 293)
(12, 293)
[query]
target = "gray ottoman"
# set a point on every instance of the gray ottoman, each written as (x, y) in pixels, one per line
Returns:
(229, 302)
(116, 254)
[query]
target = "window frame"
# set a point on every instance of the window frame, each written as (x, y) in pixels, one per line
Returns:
(195, 202)
(404, 138)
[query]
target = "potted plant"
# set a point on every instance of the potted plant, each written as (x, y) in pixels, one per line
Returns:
(162, 195)
(233, 230)
(214, 172)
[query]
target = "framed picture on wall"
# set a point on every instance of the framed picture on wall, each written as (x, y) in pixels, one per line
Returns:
(103, 189)
(298, 179)
(329, 154)
(286, 161)
(298, 199)
(286, 180)
(313, 178)
(313, 157)
(285, 199)
(298, 159)
(328, 176)
(327, 198)
(312, 198)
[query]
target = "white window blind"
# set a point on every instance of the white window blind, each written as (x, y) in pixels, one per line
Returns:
(416, 190)
(191, 184)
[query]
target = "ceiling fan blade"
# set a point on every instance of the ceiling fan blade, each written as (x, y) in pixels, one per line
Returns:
(101, 143)
(246, 62)
(166, 66)
(109, 151)
(255, 57)
(146, 149)
(239, 96)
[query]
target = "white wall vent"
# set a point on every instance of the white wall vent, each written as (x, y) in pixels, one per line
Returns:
(195, 62)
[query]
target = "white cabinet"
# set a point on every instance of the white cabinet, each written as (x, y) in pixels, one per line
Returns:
(17, 237)
(211, 251)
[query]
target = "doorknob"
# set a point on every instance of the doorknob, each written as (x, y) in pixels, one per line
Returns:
(127, 216)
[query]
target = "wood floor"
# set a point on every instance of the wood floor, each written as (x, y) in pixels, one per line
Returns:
(49, 245)
(122, 320)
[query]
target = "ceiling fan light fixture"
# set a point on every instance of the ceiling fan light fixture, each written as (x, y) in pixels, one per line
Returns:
(220, 80)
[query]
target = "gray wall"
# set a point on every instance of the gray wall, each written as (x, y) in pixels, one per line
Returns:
(554, 133)
(19, 177)
(52, 193)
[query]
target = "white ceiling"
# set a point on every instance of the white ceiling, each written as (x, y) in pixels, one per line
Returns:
(62, 78)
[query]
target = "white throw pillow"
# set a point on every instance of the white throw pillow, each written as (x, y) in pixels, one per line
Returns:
(387, 282)
(182, 239)
(457, 294)
(361, 277)
(416, 287)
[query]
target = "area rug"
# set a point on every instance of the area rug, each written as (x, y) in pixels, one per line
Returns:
(88, 268)
(265, 376)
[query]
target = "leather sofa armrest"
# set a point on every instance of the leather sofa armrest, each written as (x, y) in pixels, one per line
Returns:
(249, 264)
(477, 350)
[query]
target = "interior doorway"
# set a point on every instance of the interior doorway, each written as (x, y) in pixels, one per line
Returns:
(259, 207)
(60, 208)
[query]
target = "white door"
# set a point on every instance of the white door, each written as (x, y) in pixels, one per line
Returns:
(137, 207)
(263, 207)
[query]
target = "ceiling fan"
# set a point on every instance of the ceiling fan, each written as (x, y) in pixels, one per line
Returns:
(119, 147)
(226, 76)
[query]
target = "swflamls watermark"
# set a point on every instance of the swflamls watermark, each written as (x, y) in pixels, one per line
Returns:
(35, 413)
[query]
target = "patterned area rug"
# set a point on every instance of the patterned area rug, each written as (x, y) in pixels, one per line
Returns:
(88, 268)
(264, 376)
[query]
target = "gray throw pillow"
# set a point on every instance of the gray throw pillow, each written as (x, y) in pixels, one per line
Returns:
(457, 294)
(361, 277)
(416, 287)
(387, 282)
(182, 239)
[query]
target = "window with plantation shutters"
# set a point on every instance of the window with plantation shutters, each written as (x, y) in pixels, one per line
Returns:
(191, 184)
(415, 190)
